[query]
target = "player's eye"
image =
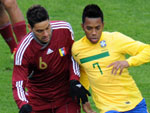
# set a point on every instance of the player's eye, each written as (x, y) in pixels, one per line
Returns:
(89, 28)
(39, 31)
(98, 28)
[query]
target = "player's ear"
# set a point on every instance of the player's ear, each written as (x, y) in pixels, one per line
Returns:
(29, 27)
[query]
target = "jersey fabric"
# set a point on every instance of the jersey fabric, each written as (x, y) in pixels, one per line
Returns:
(140, 108)
(71, 107)
(110, 92)
(45, 69)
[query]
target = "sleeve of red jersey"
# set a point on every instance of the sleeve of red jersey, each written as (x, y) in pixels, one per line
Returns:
(74, 67)
(18, 85)
(74, 70)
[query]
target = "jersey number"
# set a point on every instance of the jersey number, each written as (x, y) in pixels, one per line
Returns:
(42, 65)
(97, 65)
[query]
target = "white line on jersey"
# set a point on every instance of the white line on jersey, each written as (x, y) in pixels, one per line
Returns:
(20, 91)
(75, 67)
(22, 48)
(62, 25)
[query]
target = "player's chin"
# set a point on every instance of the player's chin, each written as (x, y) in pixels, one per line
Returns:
(45, 40)
(94, 40)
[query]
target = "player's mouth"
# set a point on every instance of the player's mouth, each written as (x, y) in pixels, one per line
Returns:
(94, 40)
(45, 39)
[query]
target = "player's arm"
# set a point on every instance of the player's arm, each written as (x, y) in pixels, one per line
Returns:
(73, 66)
(87, 108)
(76, 88)
(140, 53)
(79, 92)
(80, 89)
(19, 79)
(85, 82)
(18, 85)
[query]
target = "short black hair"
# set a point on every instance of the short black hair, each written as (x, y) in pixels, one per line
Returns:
(92, 11)
(36, 14)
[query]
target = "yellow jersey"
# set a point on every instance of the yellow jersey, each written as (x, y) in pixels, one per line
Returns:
(110, 92)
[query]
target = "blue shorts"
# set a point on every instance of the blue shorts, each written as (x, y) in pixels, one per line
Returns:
(140, 108)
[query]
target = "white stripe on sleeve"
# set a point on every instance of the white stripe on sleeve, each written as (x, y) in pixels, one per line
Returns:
(20, 91)
(75, 67)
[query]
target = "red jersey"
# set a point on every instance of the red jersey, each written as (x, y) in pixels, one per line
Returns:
(45, 69)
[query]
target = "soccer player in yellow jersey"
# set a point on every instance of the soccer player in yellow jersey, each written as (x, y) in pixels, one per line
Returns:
(101, 56)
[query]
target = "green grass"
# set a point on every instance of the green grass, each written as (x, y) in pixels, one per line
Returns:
(131, 17)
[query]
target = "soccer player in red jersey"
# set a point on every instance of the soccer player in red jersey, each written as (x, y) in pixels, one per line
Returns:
(11, 20)
(43, 64)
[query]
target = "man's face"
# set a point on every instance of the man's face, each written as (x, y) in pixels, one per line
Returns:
(42, 31)
(93, 28)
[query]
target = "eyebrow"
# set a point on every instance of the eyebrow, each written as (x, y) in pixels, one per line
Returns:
(43, 29)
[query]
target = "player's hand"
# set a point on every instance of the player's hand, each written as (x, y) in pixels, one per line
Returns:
(87, 108)
(118, 65)
(25, 109)
(78, 91)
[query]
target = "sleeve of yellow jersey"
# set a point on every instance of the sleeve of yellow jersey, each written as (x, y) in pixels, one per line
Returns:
(84, 79)
(83, 76)
(140, 52)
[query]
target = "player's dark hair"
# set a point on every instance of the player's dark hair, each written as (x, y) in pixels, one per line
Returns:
(36, 14)
(92, 11)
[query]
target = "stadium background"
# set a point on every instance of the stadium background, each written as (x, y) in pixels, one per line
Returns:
(131, 17)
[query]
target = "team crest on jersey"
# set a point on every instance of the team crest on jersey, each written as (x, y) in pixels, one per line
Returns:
(103, 43)
(62, 51)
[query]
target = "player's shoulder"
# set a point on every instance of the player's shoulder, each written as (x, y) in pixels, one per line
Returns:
(111, 35)
(58, 22)
(26, 40)
(119, 36)
(107, 33)
(79, 43)
(60, 25)
(25, 43)
(115, 33)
